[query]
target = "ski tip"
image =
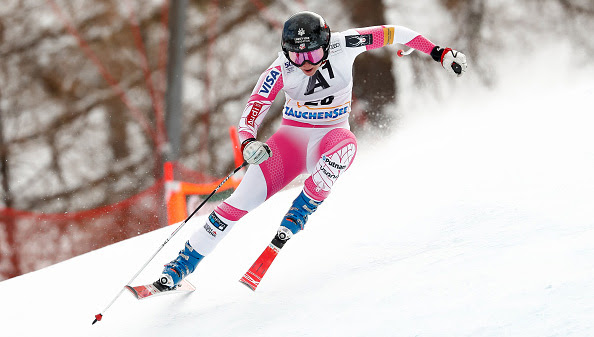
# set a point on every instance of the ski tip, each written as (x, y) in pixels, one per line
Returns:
(98, 317)
(133, 291)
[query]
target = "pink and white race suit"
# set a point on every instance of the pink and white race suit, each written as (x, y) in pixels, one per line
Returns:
(314, 137)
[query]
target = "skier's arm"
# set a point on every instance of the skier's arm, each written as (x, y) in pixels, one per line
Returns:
(268, 86)
(452, 60)
(389, 34)
(264, 93)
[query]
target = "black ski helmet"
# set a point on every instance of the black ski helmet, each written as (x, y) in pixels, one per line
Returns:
(305, 31)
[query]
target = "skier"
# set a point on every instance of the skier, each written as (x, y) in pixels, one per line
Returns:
(315, 71)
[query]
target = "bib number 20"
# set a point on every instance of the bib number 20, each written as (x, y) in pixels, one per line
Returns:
(324, 101)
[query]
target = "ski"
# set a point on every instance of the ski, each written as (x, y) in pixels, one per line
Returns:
(150, 290)
(256, 272)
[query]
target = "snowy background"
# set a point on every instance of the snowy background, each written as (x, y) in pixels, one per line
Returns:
(475, 218)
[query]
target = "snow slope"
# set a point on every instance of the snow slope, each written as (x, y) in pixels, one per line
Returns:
(476, 218)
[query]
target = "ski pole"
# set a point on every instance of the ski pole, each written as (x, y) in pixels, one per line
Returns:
(99, 316)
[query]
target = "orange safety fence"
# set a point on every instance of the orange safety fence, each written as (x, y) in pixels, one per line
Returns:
(183, 197)
(185, 189)
(30, 241)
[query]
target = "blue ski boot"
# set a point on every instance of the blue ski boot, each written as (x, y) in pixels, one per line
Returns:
(182, 266)
(303, 206)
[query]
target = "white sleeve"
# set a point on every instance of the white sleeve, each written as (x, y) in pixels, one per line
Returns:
(268, 86)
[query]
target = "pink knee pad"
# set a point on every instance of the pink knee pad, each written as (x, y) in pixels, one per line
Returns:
(337, 149)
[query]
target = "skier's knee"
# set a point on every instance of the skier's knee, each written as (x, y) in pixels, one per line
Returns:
(338, 149)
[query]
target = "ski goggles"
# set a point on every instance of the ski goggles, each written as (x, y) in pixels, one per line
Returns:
(314, 57)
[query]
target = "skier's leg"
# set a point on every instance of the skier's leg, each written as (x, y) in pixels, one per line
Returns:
(249, 194)
(259, 183)
(335, 153)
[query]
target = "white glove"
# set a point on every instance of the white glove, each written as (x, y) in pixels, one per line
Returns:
(255, 152)
(453, 61)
